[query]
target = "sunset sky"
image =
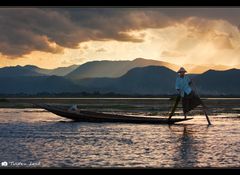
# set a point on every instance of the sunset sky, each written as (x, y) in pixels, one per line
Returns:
(53, 37)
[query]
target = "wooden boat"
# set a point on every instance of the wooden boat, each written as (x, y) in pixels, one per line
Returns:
(90, 116)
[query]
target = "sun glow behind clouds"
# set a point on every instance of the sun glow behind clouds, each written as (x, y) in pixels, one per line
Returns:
(191, 40)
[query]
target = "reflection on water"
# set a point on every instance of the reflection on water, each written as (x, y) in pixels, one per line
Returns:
(34, 135)
(185, 149)
(187, 152)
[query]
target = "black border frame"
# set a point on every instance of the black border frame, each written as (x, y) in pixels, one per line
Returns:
(121, 3)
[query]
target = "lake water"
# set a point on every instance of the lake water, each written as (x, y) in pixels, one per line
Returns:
(36, 138)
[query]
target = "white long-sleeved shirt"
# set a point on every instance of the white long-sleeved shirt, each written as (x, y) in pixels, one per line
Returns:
(183, 85)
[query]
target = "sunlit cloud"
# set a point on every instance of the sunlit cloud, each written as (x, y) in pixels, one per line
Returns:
(101, 50)
(60, 37)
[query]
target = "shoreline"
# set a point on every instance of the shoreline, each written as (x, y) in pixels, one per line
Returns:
(159, 105)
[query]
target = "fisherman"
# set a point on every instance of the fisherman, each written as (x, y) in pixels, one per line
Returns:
(190, 99)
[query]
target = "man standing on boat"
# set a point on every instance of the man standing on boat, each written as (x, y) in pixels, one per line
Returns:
(190, 99)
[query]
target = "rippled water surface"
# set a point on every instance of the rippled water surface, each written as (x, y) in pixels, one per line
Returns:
(36, 136)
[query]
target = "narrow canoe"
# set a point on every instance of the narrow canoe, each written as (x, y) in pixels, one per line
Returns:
(96, 117)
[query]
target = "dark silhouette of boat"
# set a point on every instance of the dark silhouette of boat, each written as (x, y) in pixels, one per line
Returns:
(96, 117)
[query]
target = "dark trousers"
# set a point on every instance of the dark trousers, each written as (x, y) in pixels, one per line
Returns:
(190, 101)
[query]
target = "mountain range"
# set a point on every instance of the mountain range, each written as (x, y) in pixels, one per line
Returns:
(219, 82)
(141, 80)
(30, 70)
(34, 85)
(140, 76)
(60, 71)
(113, 69)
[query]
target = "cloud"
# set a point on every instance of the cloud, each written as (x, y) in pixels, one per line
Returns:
(228, 14)
(65, 62)
(199, 31)
(167, 53)
(101, 50)
(51, 30)
(24, 30)
(72, 61)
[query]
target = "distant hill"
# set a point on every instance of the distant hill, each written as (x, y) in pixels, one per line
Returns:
(145, 80)
(32, 85)
(161, 80)
(113, 69)
(60, 71)
(142, 80)
(17, 71)
(219, 82)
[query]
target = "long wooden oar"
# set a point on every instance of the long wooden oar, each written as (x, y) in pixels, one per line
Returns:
(209, 123)
(174, 107)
